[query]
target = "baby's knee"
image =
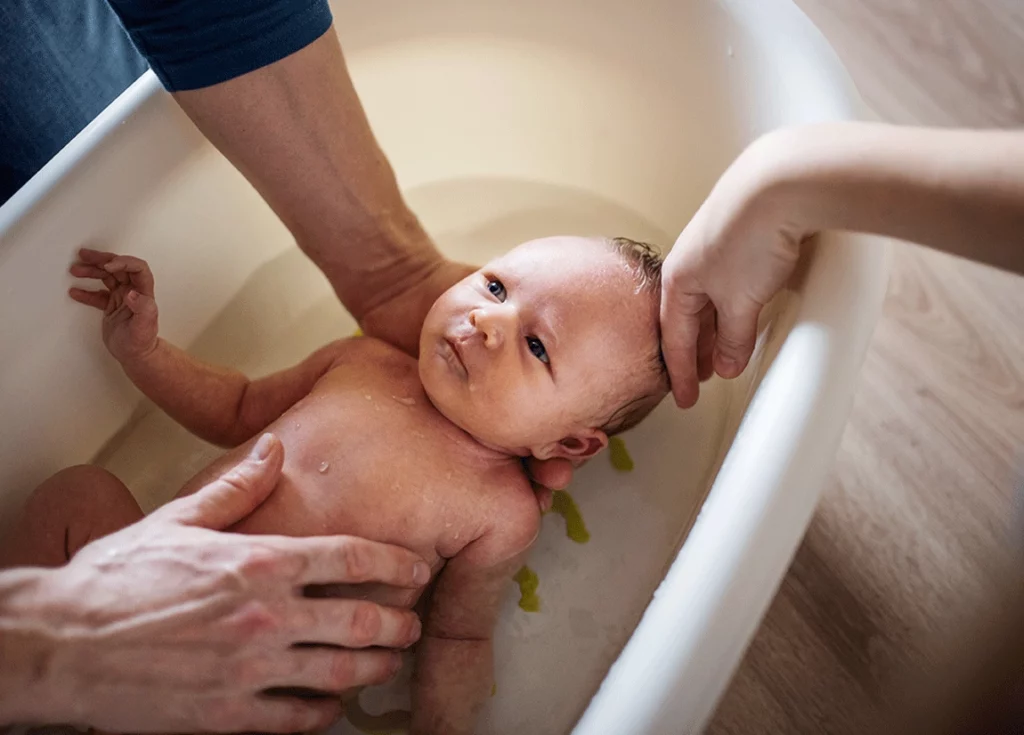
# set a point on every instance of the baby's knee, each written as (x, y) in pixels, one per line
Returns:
(86, 496)
(81, 485)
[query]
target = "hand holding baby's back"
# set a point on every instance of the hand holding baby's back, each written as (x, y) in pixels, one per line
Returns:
(129, 309)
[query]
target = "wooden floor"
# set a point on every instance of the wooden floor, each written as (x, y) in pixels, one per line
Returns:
(925, 496)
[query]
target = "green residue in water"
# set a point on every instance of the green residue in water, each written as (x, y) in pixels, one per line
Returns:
(619, 455)
(494, 689)
(528, 582)
(358, 332)
(565, 506)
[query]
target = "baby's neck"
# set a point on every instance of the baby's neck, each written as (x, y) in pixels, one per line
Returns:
(477, 448)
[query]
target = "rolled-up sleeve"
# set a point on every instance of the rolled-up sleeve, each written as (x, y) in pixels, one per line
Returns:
(196, 43)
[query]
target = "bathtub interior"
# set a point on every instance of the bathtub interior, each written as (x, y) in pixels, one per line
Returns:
(504, 122)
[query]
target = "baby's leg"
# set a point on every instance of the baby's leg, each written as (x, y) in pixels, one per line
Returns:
(72, 508)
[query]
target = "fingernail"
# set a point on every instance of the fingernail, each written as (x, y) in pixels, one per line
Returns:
(261, 450)
(420, 573)
(727, 365)
(417, 630)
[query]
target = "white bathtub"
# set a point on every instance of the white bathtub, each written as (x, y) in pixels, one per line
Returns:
(503, 121)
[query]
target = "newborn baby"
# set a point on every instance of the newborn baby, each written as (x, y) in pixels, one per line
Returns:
(545, 351)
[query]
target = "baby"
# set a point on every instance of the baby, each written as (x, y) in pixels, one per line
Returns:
(545, 351)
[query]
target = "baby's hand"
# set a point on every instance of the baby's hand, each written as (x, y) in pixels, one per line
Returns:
(129, 310)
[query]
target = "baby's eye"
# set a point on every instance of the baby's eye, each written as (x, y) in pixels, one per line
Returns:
(497, 288)
(537, 348)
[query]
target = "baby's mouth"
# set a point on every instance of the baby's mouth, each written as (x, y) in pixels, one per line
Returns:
(454, 357)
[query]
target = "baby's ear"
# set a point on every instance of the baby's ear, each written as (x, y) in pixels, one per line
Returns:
(575, 447)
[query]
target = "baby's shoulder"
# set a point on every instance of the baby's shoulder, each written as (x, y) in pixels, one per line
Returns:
(512, 509)
(358, 350)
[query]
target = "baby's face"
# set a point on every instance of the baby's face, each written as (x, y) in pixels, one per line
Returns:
(528, 353)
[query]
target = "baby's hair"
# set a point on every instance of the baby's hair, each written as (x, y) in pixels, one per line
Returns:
(645, 262)
(644, 259)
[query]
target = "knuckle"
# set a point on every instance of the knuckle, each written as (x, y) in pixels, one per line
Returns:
(252, 673)
(254, 619)
(366, 624)
(357, 560)
(342, 671)
(259, 562)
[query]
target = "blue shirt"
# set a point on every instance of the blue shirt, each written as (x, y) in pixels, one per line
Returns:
(63, 61)
(195, 43)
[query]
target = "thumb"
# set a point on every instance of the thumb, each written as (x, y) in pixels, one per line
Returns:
(737, 333)
(237, 492)
(140, 304)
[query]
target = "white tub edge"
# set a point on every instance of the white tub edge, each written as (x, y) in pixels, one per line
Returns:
(714, 596)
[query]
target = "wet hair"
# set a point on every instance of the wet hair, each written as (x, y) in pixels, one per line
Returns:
(645, 262)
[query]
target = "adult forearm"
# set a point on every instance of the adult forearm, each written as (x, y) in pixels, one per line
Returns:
(297, 131)
(957, 191)
(26, 649)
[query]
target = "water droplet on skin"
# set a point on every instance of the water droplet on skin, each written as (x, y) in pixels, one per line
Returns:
(405, 401)
(368, 397)
(324, 466)
(298, 425)
(447, 475)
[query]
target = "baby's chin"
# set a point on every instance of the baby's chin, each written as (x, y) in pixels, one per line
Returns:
(458, 413)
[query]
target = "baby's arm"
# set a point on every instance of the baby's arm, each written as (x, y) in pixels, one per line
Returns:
(217, 404)
(454, 658)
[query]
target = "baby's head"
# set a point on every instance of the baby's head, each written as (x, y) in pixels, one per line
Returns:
(550, 348)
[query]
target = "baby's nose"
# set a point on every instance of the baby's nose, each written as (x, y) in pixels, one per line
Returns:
(491, 324)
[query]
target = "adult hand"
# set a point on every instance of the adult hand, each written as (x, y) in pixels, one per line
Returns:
(732, 258)
(172, 626)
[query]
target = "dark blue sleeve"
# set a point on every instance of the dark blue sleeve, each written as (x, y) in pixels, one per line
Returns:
(195, 43)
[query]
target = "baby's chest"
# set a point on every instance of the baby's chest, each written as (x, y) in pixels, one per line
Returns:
(370, 462)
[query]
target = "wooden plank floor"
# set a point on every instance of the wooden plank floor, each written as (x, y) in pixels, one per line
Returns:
(925, 496)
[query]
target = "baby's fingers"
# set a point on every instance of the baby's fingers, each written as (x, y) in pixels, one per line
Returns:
(134, 270)
(95, 299)
(84, 270)
(95, 257)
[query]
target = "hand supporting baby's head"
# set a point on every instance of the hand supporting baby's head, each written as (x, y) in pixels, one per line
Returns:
(550, 348)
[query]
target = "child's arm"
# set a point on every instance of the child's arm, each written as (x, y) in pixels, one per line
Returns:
(454, 658)
(217, 404)
(960, 191)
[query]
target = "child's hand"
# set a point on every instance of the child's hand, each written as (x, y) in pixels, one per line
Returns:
(129, 310)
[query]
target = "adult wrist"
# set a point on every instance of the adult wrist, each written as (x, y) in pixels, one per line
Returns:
(140, 362)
